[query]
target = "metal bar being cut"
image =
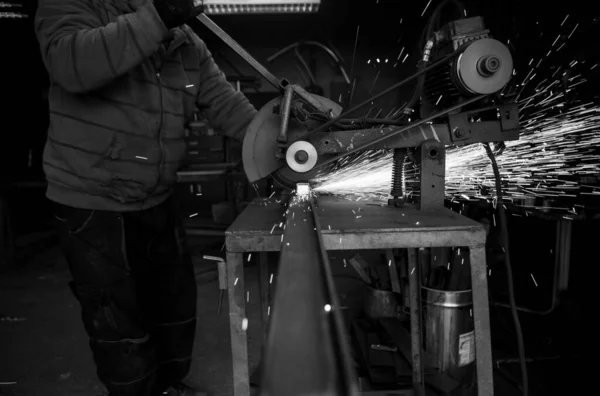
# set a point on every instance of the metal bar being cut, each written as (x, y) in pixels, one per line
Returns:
(307, 351)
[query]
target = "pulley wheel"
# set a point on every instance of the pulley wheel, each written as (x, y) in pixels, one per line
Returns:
(301, 156)
(484, 67)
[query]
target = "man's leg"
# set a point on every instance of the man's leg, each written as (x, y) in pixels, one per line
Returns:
(94, 246)
(166, 287)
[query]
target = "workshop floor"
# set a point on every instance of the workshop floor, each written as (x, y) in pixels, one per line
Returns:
(43, 346)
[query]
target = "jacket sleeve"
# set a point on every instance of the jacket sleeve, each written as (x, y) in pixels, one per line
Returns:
(82, 54)
(225, 108)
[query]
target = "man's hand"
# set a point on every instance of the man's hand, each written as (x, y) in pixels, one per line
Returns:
(176, 12)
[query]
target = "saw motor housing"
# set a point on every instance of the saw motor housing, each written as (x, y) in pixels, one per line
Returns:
(484, 65)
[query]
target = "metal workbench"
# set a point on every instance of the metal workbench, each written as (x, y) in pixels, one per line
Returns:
(374, 227)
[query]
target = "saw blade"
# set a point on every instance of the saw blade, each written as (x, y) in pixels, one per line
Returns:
(260, 144)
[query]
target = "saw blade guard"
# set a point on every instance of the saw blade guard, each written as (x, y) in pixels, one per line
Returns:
(260, 145)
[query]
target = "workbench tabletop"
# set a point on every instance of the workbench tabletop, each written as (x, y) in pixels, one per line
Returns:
(362, 223)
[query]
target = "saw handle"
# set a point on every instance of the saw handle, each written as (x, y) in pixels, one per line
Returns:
(285, 110)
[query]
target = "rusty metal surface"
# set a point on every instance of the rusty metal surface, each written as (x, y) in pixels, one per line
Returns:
(433, 173)
(305, 354)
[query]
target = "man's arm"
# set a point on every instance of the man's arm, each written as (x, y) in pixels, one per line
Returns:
(82, 54)
(225, 108)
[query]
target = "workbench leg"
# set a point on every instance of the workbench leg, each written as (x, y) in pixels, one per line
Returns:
(265, 290)
(414, 288)
(481, 317)
(237, 314)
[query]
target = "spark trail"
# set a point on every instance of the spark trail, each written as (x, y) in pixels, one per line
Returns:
(557, 152)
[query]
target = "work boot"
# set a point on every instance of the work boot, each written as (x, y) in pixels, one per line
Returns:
(183, 390)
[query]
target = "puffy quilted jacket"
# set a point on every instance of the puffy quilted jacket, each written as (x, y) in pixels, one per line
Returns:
(122, 89)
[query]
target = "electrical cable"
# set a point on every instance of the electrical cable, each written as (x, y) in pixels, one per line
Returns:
(434, 20)
(332, 121)
(509, 273)
(419, 75)
(427, 35)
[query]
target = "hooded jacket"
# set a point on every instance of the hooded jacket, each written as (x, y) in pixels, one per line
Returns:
(122, 89)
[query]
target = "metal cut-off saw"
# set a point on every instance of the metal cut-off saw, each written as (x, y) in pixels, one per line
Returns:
(459, 80)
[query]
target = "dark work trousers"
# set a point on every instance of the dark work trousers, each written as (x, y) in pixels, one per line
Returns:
(134, 280)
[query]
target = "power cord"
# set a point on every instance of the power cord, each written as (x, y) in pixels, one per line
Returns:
(509, 274)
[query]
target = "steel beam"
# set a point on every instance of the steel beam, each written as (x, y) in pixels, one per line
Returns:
(306, 351)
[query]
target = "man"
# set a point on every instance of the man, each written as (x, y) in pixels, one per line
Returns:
(125, 77)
